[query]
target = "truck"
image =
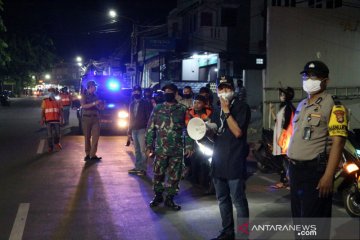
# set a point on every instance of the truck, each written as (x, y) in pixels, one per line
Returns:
(116, 96)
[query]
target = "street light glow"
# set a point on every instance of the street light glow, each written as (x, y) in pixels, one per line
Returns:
(78, 59)
(112, 13)
(79, 64)
(47, 76)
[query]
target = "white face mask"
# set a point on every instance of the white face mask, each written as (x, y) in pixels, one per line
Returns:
(311, 86)
(226, 95)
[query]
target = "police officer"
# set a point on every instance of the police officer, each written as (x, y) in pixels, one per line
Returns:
(315, 149)
(91, 120)
(166, 126)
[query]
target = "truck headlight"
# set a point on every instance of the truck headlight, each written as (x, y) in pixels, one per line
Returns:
(123, 114)
(122, 123)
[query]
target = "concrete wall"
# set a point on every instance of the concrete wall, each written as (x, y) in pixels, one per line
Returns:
(298, 35)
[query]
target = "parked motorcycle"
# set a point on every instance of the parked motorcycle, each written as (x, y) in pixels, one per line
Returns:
(347, 178)
(4, 99)
(266, 162)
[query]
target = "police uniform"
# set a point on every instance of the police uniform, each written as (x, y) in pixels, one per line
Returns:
(90, 121)
(314, 125)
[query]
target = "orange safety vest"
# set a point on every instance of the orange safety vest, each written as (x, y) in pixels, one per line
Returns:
(52, 110)
(65, 99)
(285, 135)
(191, 114)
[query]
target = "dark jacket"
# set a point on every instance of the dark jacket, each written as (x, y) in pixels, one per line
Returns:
(229, 157)
(142, 117)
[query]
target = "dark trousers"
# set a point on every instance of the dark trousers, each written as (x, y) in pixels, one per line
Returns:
(306, 205)
(53, 133)
(229, 192)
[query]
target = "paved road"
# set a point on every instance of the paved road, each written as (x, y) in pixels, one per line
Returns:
(59, 196)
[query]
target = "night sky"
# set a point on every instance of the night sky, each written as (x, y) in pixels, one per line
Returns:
(77, 26)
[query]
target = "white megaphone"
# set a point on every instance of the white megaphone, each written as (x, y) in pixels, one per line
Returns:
(198, 129)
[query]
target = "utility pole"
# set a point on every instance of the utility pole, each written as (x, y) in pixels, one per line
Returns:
(133, 53)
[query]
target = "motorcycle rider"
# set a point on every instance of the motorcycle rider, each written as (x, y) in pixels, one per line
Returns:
(282, 133)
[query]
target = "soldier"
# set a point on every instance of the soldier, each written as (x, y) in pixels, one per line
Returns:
(91, 120)
(315, 149)
(166, 126)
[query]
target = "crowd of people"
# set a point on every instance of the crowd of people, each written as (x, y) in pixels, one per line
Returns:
(306, 142)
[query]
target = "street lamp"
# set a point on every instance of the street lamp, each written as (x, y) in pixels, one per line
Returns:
(78, 59)
(47, 76)
(114, 15)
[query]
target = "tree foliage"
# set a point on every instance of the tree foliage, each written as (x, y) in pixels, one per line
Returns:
(30, 54)
(4, 57)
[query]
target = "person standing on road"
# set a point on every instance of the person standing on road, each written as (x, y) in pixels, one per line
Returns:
(316, 145)
(90, 120)
(66, 103)
(187, 99)
(228, 164)
(140, 110)
(282, 133)
(166, 127)
(52, 116)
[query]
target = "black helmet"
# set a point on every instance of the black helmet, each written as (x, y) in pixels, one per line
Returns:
(64, 89)
(289, 93)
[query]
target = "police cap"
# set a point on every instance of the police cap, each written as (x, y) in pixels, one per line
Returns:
(91, 83)
(317, 68)
(226, 81)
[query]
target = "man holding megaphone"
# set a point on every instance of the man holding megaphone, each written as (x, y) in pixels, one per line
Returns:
(228, 163)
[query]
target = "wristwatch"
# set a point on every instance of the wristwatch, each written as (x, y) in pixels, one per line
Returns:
(227, 115)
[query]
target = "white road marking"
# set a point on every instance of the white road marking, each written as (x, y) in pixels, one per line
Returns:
(41, 146)
(20, 220)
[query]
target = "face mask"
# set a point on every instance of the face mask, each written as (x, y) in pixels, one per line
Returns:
(137, 96)
(187, 96)
(169, 97)
(311, 86)
(227, 95)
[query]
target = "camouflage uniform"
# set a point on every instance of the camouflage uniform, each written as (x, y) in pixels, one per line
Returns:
(166, 126)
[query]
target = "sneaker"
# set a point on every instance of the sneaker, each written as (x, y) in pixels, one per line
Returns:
(133, 171)
(87, 158)
(95, 158)
(58, 147)
(141, 173)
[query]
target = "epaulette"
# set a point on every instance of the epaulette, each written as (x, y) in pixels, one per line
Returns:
(336, 100)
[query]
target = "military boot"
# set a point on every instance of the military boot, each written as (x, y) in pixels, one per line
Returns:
(169, 202)
(157, 200)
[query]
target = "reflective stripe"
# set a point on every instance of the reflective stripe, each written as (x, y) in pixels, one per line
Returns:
(49, 110)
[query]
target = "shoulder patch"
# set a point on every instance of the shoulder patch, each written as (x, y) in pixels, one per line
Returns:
(338, 121)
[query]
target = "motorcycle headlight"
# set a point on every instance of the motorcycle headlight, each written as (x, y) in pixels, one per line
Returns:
(351, 167)
(79, 97)
(123, 114)
(57, 98)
